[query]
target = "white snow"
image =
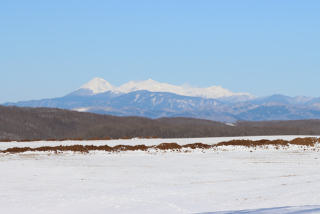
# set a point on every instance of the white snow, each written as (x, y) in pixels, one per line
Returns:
(154, 86)
(99, 85)
(160, 182)
(81, 109)
(276, 210)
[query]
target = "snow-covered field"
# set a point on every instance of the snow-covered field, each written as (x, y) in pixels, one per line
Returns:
(264, 181)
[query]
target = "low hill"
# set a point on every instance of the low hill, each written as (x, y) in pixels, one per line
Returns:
(18, 123)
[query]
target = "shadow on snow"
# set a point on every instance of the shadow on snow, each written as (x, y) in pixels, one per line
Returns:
(275, 210)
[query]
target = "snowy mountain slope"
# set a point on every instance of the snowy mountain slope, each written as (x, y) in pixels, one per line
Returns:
(154, 86)
(153, 99)
(99, 85)
(162, 104)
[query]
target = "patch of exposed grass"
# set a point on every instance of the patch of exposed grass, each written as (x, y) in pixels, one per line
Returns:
(309, 142)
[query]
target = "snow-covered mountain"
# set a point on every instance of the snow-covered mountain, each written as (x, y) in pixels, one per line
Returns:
(99, 85)
(154, 99)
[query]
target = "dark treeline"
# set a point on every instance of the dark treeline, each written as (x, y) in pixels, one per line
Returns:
(47, 123)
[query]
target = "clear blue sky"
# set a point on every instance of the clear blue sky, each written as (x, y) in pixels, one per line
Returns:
(50, 48)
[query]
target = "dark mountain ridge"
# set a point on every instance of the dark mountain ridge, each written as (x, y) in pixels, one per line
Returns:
(50, 123)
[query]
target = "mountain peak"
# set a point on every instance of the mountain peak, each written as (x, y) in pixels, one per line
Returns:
(154, 86)
(148, 85)
(98, 85)
(150, 81)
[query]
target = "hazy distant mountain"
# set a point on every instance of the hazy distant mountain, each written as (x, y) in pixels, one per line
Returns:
(153, 99)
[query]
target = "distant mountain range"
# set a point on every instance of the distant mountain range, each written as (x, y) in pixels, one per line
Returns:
(154, 100)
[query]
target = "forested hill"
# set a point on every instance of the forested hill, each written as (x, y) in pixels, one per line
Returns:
(18, 123)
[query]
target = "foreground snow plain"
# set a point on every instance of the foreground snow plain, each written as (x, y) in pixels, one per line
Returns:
(199, 181)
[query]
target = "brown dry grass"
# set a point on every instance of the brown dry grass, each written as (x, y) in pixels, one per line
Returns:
(251, 143)
(309, 142)
(167, 146)
(197, 146)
